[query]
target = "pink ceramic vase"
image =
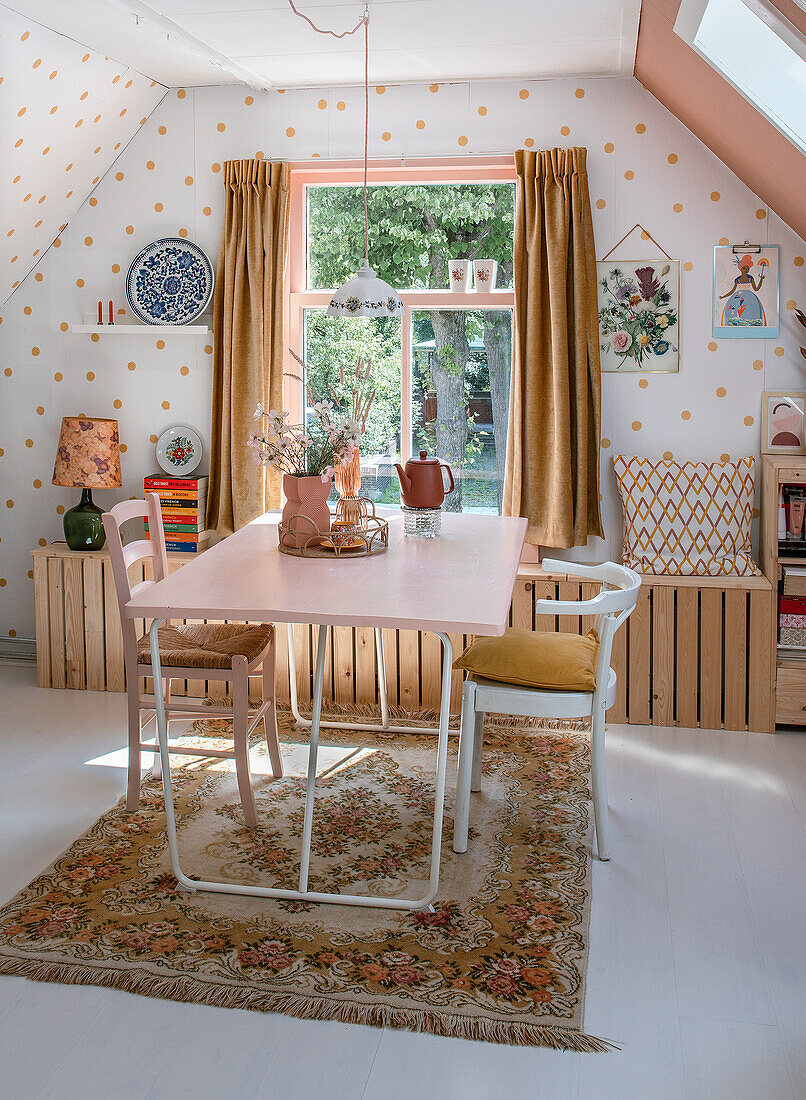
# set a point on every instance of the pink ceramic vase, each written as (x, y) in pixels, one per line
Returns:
(306, 510)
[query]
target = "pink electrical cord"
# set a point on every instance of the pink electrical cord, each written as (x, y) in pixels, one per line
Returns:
(363, 22)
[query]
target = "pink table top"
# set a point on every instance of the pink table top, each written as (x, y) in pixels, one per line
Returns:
(458, 583)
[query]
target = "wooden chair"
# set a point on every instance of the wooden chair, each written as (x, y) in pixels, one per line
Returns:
(210, 651)
(611, 606)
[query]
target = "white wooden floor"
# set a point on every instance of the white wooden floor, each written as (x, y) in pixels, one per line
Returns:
(697, 961)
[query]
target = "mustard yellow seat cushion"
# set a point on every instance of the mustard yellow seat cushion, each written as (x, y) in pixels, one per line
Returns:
(534, 658)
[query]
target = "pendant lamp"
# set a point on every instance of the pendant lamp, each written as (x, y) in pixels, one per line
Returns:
(366, 295)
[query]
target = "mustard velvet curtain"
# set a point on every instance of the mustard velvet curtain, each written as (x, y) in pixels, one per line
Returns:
(248, 338)
(552, 471)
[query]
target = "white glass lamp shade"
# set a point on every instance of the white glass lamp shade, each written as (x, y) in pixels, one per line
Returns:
(365, 296)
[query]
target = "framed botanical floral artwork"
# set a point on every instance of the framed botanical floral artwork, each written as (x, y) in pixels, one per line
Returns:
(639, 306)
(782, 423)
(746, 291)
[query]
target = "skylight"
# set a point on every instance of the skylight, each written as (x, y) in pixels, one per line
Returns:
(758, 51)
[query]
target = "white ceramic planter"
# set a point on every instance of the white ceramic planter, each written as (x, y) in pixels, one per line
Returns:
(484, 272)
(459, 275)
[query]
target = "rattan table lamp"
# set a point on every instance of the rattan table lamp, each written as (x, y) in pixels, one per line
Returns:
(88, 458)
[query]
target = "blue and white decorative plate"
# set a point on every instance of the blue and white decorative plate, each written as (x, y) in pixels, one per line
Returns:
(170, 282)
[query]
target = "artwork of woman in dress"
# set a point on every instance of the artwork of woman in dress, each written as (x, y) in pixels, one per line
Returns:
(743, 306)
(746, 292)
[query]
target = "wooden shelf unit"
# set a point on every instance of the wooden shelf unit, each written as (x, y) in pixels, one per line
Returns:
(790, 680)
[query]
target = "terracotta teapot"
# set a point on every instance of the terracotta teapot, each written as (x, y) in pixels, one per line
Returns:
(422, 483)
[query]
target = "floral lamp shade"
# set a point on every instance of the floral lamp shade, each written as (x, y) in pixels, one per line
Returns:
(88, 456)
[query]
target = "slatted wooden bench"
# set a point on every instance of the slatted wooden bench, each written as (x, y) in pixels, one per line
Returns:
(697, 651)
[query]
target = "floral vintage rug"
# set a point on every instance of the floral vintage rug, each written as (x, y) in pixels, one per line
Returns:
(502, 958)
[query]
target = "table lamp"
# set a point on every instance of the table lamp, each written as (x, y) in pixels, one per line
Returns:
(88, 458)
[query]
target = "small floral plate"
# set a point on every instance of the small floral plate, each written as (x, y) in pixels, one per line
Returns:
(179, 450)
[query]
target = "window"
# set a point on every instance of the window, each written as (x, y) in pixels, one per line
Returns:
(757, 51)
(441, 372)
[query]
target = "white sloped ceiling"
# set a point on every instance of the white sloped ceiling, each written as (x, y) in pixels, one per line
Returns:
(66, 113)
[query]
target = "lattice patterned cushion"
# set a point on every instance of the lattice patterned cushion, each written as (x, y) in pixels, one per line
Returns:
(687, 518)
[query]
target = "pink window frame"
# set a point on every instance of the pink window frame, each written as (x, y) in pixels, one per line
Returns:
(499, 169)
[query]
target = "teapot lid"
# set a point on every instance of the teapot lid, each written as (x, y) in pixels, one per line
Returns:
(425, 460)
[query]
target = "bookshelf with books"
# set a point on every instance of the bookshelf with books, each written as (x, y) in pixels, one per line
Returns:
(183, 501)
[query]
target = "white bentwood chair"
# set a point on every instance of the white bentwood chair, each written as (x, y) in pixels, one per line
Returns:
(611, 606)
(209, 651)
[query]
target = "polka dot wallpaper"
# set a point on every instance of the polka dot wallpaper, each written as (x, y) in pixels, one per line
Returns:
(65, 114)
(644, 166)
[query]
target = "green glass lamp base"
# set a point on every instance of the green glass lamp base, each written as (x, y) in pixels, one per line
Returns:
(83, 526)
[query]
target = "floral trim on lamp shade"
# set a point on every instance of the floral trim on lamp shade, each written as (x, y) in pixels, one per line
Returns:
(88, 455)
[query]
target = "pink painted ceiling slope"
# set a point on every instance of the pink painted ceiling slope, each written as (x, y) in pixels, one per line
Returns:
(697, 95)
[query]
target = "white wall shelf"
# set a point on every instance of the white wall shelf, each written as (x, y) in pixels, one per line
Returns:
(158, 330)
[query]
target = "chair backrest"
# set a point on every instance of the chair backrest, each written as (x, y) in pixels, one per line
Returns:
(124, 557)
(612, 605)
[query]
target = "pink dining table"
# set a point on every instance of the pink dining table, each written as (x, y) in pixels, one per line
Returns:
(458, 583)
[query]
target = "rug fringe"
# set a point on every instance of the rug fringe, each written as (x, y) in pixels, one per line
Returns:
(187, 990)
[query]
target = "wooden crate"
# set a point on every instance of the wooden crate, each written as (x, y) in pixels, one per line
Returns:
(697, 651)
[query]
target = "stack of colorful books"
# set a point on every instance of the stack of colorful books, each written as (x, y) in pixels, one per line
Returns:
(183, 501)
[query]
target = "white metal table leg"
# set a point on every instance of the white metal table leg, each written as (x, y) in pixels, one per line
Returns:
(303, 894)
(461, 814)
(313, 752)
(381, 677)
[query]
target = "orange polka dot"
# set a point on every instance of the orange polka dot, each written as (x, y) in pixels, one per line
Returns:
(88, 241)
(115, 268)
(152, 438)
(188, 181)
(685, 415)
(166, 404)
(609, 147)
(117, 403)
(181, 93)
(259, 155)
(290, 131)
(386, 136)
(643, 383)
(340, 105)
(93, 201)
(601, 204)
(60, 510)
(123, 448)
(58, 376)
(678, 206)
(433, 87)
(221, 127)
(605, 442)
(322, 104)
(528, 142)
(131, 365)
(715, 196)
(183, 232)
(523, 93)
(34, 351)
(798, 261)
(779, 352)
(749, 421)
(208, 349)
(206, 211)
(636, 425)
(482, 111)
(668, 456)
(758, 364)
(29, 442)
(184, 370)
(160, 344)
(64, 326)
(162, 130)
(249, 100)
(688, 266)
(90, 376)
(159, 207)
(672, 158)
(420, 124)
(216, 167)
(721, 391)
(761, 214)
(95, 337)
(119, 176)
(725, 457)
(40, 410)
(629, 175)
(640, 128)
(791, 303)
(8, 372)
(580, 93)
(724, 240)
(380, 89)
(150, 165)
(712, 345)
(462, 140)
